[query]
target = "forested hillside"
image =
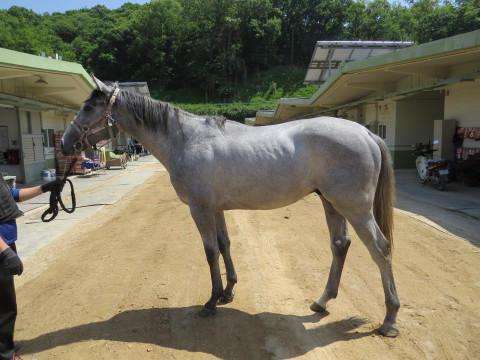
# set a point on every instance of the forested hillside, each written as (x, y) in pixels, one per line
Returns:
(214, 46)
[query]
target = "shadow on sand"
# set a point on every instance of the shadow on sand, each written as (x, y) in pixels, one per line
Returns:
(231, 334)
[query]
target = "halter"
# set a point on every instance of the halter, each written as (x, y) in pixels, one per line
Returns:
(104, 119)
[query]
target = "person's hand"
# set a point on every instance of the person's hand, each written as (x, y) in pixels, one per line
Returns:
(10, 262)
(55, 184)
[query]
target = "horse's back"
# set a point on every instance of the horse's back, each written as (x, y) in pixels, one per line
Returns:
(326, 143)
(327, 133)
(336, 157)
(273, 166)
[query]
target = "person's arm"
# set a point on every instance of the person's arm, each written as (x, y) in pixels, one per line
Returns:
(29, 193)
(3, 245)
(25, 194)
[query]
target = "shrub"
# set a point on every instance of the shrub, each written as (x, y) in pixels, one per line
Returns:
(236, 111)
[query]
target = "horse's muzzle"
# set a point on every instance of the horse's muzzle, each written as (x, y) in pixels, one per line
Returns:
(70, 150)
(78, 146)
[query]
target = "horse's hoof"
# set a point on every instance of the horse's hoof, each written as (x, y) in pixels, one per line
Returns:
(225, 299)
(317, 307)
(389, 330)
(206, 312)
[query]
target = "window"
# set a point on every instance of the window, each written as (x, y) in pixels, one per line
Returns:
(26, 122)
(4, 138)
(49, 138)
(382, 131)
(32, 137)
(30, 122)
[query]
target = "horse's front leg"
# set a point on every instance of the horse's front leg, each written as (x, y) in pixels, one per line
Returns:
(205, 220)
(224, 246)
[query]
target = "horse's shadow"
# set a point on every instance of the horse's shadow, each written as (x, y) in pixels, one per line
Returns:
(231, 334)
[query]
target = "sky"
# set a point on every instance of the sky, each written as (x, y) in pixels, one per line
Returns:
(50, 6)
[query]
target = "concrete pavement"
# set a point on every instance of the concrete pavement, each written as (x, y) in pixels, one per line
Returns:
(93, 192)
(456, 197)
(455, 210)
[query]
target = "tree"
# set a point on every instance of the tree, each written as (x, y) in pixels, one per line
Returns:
(468, 15)
(215, 44)
(294, 16)
(22, 30)
(212, 35)
(259, 32)
(154, 40)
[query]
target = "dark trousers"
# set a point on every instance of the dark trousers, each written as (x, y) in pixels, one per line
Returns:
(8, 313)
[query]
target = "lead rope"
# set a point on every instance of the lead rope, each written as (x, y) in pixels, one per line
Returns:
(56, 197)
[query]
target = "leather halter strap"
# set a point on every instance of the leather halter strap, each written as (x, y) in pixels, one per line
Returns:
(105, 119)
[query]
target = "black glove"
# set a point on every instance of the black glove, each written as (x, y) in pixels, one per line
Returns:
(53, 185)
(10, 261)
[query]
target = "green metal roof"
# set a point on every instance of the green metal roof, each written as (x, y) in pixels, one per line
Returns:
(43, 83)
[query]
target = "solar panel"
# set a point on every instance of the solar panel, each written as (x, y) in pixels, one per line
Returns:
(328, 55)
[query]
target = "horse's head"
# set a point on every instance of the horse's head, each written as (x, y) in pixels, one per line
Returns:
(93, 122)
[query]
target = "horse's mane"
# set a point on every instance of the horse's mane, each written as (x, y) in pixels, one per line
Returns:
(154, 115)
(216, 121)
(148, 113)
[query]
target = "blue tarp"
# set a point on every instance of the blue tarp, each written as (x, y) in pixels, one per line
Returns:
(89, 164)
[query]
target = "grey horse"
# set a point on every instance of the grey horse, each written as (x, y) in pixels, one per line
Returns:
(217, 165)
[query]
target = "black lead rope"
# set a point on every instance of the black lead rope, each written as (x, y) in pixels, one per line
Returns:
(56, 197)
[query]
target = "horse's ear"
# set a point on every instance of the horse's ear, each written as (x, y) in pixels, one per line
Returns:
(100, 85)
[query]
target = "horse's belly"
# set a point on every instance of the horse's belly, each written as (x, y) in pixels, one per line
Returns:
(244, 204)
(256, 197)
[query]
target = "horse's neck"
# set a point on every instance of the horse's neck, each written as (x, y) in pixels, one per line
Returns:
(162, 146)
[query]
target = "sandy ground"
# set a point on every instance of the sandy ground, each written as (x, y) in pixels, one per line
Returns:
(130, 282)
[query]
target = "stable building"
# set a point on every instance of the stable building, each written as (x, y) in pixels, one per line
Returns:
(415, 94)
(39, 97)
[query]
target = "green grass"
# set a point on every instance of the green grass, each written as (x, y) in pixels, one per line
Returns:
(186, 95)
(260, 87)
(237, 112)
(273, 85)
(258, 92)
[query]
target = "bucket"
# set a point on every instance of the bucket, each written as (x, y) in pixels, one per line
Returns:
(53, 174)
(45, 175)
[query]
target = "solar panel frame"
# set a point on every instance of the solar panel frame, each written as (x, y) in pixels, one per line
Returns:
(328, 55)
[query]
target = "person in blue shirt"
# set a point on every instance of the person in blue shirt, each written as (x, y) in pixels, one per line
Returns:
(10, 263)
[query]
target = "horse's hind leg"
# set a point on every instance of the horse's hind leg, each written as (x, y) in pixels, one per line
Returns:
(379, 248)
(224, 246)
(340, 242)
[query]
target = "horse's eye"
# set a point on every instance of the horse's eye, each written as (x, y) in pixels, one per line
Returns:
(87, 107)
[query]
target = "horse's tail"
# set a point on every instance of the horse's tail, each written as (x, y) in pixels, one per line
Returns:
(385, 193)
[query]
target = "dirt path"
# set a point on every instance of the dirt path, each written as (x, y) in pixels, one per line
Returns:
(130, 283)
